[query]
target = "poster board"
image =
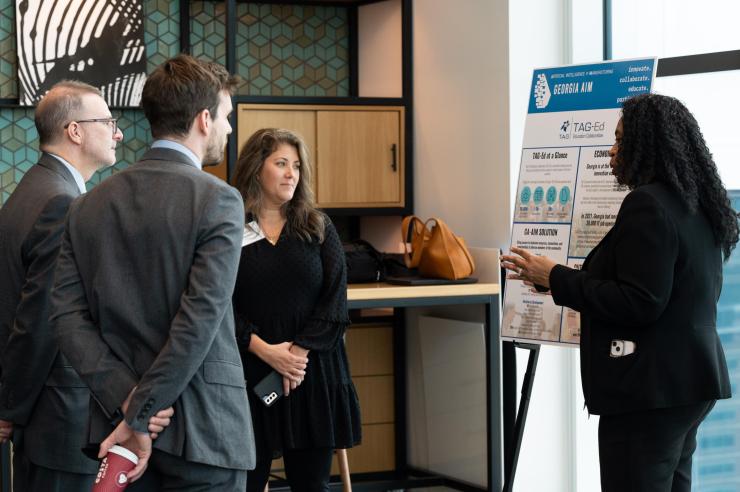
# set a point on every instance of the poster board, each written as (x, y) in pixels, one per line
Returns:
(567, 198)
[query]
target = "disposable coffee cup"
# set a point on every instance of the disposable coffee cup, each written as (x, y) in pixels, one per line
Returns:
(113, 469)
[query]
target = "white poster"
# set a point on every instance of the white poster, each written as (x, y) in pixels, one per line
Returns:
(567, 198)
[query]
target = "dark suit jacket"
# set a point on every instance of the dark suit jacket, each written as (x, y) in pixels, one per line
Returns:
(654, 279)
(142, 298)
(40, 391)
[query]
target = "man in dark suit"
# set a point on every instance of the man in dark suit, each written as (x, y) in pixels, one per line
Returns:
(142, 299)
(43, 402)
(42, 399)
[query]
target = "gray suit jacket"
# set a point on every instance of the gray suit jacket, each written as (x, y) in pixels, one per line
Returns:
(142, 298)
(40, 392)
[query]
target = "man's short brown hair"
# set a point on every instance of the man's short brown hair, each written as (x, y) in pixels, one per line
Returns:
(58, 107)
(179, 89)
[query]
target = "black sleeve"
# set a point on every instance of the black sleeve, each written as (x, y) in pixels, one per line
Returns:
(325, 327)
(645, 251)
(244, 330)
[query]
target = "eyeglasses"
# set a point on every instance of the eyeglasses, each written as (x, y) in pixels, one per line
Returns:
(112, 121)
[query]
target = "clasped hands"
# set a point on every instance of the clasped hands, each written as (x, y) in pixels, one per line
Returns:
(290, 361)
(140, 443)
(531, 268)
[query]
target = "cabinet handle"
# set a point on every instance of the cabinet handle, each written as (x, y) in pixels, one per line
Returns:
(394, 162)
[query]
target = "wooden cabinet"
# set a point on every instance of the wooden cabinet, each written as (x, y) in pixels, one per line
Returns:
(370, 354)
(357, 151)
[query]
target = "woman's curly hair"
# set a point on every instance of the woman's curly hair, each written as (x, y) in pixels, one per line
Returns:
(661, 141)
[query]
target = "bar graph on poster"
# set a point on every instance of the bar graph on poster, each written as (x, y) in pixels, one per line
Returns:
(567, 197)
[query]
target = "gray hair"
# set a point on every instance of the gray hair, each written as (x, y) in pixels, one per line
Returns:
(58, 107)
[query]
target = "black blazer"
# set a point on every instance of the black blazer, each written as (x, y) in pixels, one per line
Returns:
(654, 279)
(40, 393)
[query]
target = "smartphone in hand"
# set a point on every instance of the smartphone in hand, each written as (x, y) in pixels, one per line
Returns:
(270, 389)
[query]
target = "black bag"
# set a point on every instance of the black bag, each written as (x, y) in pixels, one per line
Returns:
(364, 262)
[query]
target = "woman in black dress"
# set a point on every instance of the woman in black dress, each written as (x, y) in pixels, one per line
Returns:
(290, 303)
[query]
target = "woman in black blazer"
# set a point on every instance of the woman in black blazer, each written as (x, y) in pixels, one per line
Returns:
(651, 362)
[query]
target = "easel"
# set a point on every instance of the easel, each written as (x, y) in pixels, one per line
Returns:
(512, 452)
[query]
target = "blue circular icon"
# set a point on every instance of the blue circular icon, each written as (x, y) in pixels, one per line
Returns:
(564, 195)
(552, 194)
(525, 195)
(538, 193)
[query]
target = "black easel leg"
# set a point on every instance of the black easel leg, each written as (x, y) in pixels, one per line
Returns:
(521, 418)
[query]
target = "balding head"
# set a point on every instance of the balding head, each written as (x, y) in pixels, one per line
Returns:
(62, 104)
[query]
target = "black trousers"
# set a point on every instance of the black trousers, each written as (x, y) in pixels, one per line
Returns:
(307, 470)
(167, 472)
(649, 451)
(29, 477)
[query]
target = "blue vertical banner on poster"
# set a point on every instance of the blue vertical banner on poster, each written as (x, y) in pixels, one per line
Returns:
(567, 198)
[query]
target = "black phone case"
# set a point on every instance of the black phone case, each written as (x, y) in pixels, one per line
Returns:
(270, 389)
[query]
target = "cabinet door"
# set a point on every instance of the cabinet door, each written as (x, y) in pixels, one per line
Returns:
(361, 158)
(302, 122)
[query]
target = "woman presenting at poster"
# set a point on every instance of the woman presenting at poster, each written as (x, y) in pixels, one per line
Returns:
(651, 362)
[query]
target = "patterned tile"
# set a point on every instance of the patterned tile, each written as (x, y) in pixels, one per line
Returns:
(161, 31)
(208, 30)
(289, 50)
(19, 150)
(8, 54)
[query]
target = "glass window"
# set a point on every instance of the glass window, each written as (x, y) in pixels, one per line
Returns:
(716, 466)
(667, 28)
(712, 98)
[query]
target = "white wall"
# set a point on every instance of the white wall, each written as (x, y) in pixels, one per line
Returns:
(473, 62)
(379, 49)
(461, 117)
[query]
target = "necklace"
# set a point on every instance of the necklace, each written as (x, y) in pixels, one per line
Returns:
(271, 239)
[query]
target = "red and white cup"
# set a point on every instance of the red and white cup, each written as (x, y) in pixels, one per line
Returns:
(113, 469)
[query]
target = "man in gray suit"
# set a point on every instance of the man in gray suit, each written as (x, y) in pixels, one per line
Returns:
(42, 400)
(142, 297)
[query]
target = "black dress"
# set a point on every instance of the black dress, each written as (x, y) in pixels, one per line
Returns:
(296, 291)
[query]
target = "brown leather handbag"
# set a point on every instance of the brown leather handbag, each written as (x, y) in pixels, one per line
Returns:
(437, 253)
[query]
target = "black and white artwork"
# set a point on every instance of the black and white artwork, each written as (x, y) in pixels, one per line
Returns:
(100, 42)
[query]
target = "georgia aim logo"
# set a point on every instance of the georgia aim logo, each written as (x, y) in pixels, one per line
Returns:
(541, 92)
(121, 479)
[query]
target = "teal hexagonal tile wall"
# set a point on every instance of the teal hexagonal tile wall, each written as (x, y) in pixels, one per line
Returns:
(208, 31)
(8, 55)
(290, 50)
(161, 31)
(19, 148)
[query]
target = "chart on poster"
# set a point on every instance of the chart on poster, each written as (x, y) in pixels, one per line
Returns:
(567, 198)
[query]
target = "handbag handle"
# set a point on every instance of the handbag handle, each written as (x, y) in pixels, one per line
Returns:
(448, 233)
(414, 231)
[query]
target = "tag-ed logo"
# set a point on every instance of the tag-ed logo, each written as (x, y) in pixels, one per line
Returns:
(581, 129)
(541, 92)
